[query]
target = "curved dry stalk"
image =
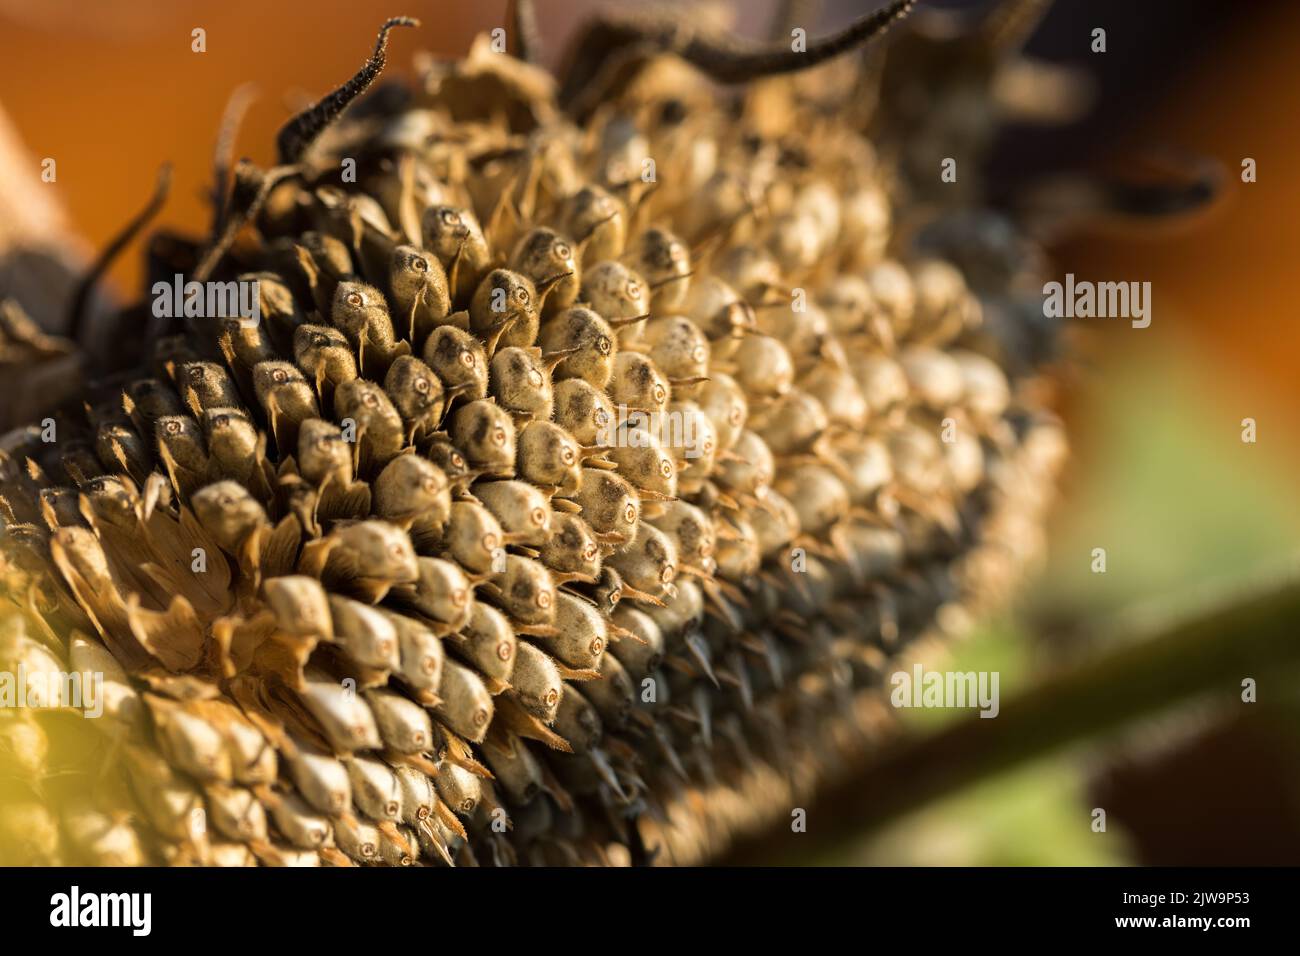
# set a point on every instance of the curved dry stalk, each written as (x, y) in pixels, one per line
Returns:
(223, 151)
(1180, 186)
(723, 58)
(302, 130)
(525, 37)
(77, 310)
(248, 194)
(729, 61)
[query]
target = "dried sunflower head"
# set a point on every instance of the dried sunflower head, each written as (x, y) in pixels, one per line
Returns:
(585, 455)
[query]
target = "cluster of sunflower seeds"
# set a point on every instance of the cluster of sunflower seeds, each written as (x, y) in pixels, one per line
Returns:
(571, 473)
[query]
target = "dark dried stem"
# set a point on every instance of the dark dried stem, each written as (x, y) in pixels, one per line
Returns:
(728, 60)
(1173, 187)
(524, 38)
(1193, 183)
(302, 130)
(81, 298)
(247, 197)
(223, 152)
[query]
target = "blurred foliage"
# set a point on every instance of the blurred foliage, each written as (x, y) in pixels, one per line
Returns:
(1036, 816)
(1168, 487)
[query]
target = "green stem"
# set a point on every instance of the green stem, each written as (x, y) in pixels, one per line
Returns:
(1151, 669)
